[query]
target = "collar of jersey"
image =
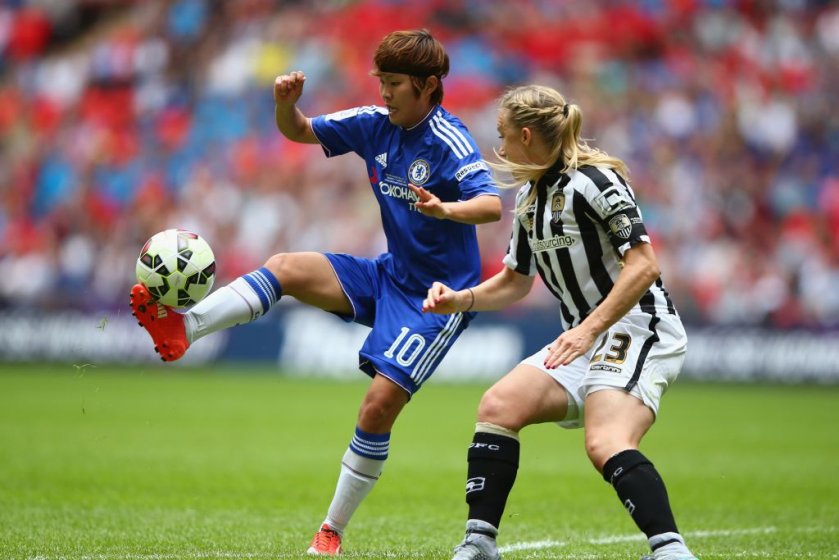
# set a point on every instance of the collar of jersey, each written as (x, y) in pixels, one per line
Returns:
(424, 120)
(550, 176)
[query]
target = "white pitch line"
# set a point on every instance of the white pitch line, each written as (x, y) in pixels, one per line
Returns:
(532, 545)
(612, 539)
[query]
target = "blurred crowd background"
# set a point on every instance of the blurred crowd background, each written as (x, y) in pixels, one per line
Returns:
(122, 118)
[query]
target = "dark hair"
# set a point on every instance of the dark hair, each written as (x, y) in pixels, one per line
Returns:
(415, 53)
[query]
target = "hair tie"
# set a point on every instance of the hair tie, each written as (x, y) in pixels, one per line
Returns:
(565, 110)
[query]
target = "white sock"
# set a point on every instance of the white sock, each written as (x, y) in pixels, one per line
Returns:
(358, 476)
(231, 305)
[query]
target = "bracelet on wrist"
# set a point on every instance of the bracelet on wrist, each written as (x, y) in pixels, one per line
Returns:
(471, 303)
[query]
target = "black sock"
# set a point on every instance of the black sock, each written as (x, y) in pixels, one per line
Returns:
(493, 463)
(641, 491)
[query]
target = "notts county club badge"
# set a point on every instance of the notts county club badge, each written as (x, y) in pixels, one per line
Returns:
(557, 204)
(419, 172)
(621, 226)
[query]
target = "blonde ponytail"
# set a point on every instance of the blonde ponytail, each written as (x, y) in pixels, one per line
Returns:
(544, 111)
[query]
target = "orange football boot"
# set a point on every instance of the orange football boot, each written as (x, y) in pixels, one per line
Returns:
(326, 542)
(164, 324)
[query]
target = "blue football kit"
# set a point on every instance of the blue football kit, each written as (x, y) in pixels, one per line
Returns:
(386, 293)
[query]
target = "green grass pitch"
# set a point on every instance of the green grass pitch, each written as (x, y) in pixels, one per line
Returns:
(161, 463)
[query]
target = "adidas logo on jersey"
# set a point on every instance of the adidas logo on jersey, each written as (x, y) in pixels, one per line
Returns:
(382, 159)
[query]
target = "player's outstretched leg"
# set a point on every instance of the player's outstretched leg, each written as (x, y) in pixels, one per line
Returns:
(164, 324)
(326, 542)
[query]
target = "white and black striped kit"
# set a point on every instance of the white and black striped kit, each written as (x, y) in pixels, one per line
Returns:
(574, 235)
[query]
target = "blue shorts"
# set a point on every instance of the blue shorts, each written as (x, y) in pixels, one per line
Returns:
(405, 345)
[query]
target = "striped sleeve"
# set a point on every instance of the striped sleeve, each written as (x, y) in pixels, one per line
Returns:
(519, 256)
(614, 203)
(462, 157)
(452, 136)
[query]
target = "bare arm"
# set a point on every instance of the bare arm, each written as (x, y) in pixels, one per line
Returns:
(506, 287)
(290, 120)
(479, 210)
(640, 270)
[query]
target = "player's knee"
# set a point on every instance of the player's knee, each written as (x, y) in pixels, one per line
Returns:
(495, 408)
(600, 445)
(276, 263)
(378, 413)
(283, 267)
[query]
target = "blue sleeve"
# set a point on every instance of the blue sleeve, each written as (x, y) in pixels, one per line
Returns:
(465, 163)
(348, 130)
(474, 178)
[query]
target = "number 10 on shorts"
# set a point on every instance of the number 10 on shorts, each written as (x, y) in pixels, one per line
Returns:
(409, 347)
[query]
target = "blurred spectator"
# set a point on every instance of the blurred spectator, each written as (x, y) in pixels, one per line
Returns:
(120, 119)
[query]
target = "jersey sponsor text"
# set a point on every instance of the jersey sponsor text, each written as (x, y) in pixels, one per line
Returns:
(399, 192)
(556, 242)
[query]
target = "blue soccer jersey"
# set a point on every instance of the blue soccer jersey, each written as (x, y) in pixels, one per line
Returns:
(438, 154)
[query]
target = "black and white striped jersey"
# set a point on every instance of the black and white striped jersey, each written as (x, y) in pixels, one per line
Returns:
(575, 234)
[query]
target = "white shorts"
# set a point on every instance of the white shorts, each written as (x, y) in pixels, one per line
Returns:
(639, 354)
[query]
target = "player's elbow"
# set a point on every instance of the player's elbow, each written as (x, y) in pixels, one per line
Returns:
(651, 272)
(297, 129)
(293, 133)
(641, 260)
(491, 210)
(496, 213)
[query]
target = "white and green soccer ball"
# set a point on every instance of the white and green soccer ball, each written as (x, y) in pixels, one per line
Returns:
(177, 267)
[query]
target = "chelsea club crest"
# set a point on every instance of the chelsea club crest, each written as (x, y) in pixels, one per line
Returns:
(419, 172)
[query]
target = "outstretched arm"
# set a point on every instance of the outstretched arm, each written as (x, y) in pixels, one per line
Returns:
(506, 287)
(290, 120)
(479, 210)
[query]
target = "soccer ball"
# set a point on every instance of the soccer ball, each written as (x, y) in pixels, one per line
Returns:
(177, 267)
